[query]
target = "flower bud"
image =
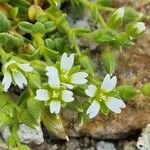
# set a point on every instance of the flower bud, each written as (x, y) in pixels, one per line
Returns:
(116, 18)
(135, 29)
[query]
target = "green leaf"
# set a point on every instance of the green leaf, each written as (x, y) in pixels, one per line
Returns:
(109, 61)
(11, 41)
(26, 26)
(23, 5)
(4, 23)
(49, 43)
(13, 12)
(74, 106)
(34, 80)
(104, 3)
(38, 28)
(12, 141)
(86, 63)
(103, 36)
(23, 147)
(123, 40)
(104, 109)
(127, 92)
(34, 108)
(49, 26)
(145, 89)
(4, 119)
(54, 124)
(131, 15)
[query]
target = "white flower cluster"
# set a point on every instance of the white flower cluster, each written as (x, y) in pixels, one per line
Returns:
(113, 103)
(14, 72)
(61, 80)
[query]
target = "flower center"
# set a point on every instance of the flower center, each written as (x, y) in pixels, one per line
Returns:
(55, 94)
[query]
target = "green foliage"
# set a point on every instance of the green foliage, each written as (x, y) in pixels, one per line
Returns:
(4, 23)
(40, 54)
(145, 89)
(127, 92)
(109, 61)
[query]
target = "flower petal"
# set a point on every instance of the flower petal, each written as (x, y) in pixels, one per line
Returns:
(25, 67)
(93, 110)
(55, 106)
(6, 82)
(91, 90)
(67, 62)
(69, 86)
(9, 63)
(79, 78)
(67, 96)
(19, 79)
(53, 78)
(42, 95)
(109, 83)
(114, 104)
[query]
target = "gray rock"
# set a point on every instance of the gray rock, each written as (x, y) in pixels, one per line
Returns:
(105, 146)
(26, 134)
(129, 145)
(143, 142)
(72, 144)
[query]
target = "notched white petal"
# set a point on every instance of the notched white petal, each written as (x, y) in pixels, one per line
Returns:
(55, 106)
(42, 95)
(67, 62)
(79, 78)
(6, 82)
(115, 104)
(25, 67)
(93, 110)
(19, 79)
(53, 77)
(67, 96)
(109, 83)
(91, 90)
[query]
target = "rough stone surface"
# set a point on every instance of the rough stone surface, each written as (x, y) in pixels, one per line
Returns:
(143, 142)
(73, 144)
(26, 134)
(129, 145)
(105, 146)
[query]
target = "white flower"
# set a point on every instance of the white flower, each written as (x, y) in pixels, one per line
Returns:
(109, 83)
(42, 95)
(79, 78)
(67, 62)
(93, 110)
(66, 66)
(55, 106)
(91, 90)
(55, 95)
(114, 104)
(120, 12)
(67, 96)
(66, 78)
(53, 78)
(14, 72)
(140, 26)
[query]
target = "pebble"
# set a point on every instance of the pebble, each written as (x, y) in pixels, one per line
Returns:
(105, 146)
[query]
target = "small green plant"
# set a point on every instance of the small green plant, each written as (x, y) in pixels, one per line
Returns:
(40, 55)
